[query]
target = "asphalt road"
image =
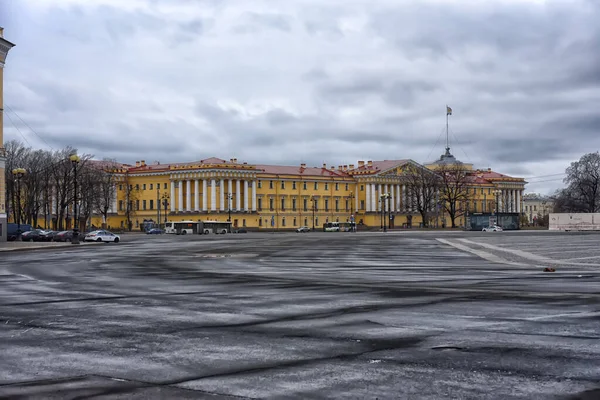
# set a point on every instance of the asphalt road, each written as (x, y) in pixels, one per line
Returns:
(305, 316)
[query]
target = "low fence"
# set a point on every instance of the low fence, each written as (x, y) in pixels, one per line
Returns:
(574, 222)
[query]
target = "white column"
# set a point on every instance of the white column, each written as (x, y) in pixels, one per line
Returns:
(180, 196)
(188, 195)
(238, 194)
(356, 202)
(519, 201)
(254, 187)
(196, 196)
(229, 192)
(514, 200)
(246, 196)
(393, 199)
(404, 208)
(222, 195)
(367, 197)
(500, 205)
(172, 196)
(114, 200)
(213, 195)
(398, 198)
(373, 198)
(204, 195)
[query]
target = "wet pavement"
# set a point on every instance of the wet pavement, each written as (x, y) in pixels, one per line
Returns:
(423, 315)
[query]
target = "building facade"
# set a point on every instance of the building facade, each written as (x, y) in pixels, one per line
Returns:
(536, 207)
(266, 197)
(5, 46)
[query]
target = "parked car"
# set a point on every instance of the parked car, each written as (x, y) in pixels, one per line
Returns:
(241, 230)
(66, 236)
(34, 235)
(155, 231)
(47, 236)
(493, 228)
(102, 236)
(303, 229)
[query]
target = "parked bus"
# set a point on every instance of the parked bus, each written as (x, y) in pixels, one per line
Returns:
(197, 227)
(217, 227)
(339, 227)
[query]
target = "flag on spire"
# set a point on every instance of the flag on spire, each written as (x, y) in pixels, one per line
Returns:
(448, 111)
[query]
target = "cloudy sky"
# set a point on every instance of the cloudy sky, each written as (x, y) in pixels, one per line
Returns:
(291, 81)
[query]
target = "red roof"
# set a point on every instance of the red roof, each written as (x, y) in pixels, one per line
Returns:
(378, 166)
(299, 170)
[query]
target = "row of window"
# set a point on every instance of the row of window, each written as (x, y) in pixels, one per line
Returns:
(137, 186)
(305, 205)
(146, 205)
(294, 222)
(305, 185)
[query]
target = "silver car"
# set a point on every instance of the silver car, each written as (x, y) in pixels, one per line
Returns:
(102, 236)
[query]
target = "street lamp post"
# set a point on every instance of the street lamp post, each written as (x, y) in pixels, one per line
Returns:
(229, 198)
(18, 174)
(75, 161)
(165, 202)
(158, 205)
(384, 198)
(313, 211)
(497, 193)
(351, 199)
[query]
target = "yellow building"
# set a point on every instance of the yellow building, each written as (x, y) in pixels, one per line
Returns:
(269, 197)
(5, 46)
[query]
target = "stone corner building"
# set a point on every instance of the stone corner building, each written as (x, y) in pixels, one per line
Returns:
(5, 46)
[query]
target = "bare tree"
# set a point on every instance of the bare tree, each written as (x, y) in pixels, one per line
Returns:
(582, 193)
(16, 154)
(454, 185)
(131, 199)
(89, 190)
(422, 187)
(106, 187)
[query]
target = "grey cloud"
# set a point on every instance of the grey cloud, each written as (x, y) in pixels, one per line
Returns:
(255, 22)
(355, 89)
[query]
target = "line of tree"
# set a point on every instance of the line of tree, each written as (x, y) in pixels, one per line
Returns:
(50, 176)
(582, 191)
(444, 189)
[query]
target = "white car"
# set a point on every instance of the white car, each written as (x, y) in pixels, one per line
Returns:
(102, 236)
(493, 228)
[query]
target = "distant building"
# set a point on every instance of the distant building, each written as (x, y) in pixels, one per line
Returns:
(536, 206)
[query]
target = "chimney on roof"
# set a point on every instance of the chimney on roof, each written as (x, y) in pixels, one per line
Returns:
(143, 163)
(303, 165)
(345, 168)
(489, 170)
(361, 164)
(235, 160)
(137, 163)
(351, 166)
(340, 168)
(370, 163)
(324, 166)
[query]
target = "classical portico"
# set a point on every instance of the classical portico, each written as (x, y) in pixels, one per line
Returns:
(221, 191)
(5, 46)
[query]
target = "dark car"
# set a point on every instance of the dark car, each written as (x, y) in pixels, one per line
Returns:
(155, 231)
(35, 235)
(47, 236)
(241, 230)
(66, 236)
